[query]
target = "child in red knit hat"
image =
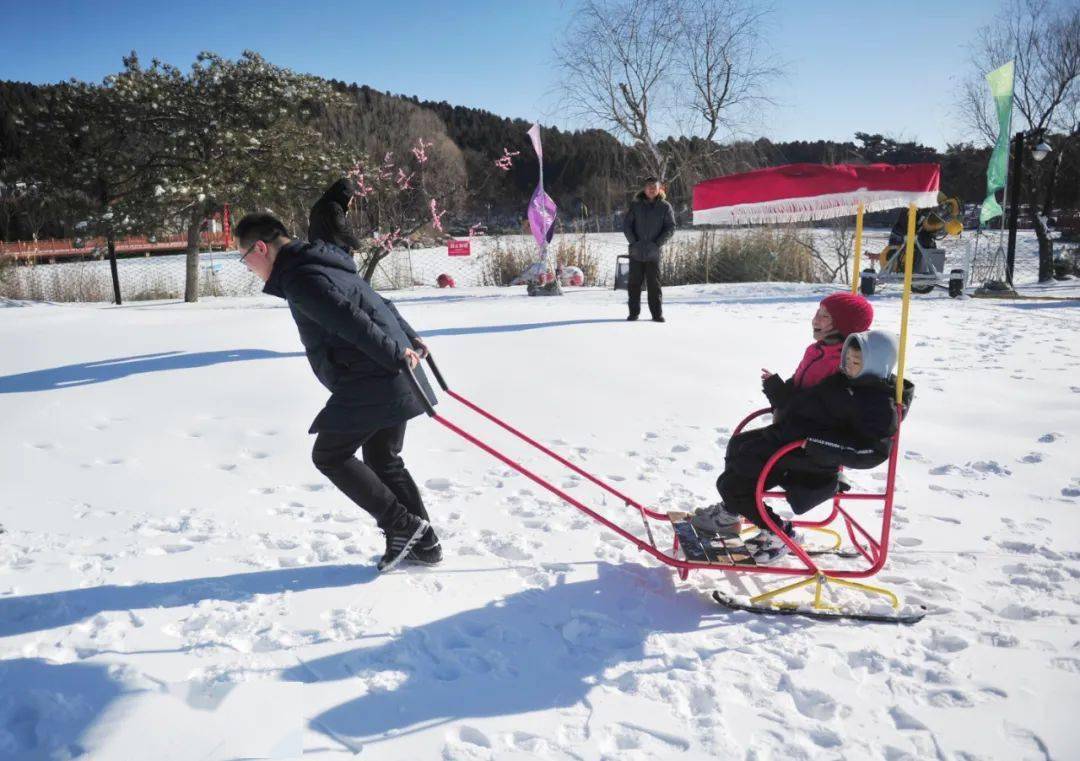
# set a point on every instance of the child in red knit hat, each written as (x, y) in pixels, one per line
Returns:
(838, 316)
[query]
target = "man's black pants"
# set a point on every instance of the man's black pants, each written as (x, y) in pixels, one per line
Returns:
(380, 484)
(650, 273)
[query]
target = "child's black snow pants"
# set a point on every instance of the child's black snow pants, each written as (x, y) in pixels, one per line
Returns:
(747, 454)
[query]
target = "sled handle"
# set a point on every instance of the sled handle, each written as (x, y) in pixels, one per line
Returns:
(435, 371)
(429, 408)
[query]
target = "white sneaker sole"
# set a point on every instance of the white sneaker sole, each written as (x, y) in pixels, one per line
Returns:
(405, 550)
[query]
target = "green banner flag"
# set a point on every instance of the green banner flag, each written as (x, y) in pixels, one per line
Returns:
(1001, 88)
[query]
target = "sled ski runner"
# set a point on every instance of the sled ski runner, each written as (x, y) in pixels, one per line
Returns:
(911, 615)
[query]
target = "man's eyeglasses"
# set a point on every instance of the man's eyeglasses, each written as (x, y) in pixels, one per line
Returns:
(249, 250)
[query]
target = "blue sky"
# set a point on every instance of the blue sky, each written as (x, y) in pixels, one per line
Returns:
(872, 66)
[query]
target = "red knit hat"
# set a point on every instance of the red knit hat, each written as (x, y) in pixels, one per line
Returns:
(850, 312)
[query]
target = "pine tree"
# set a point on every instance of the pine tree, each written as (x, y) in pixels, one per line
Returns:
(238, 132)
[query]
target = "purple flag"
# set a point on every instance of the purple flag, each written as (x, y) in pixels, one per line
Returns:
(542, 209)
(542, 212)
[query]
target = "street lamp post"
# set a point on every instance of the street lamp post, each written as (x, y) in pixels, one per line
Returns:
(1039, 151)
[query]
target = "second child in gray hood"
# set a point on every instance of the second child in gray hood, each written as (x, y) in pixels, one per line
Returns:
(848, 420)
(648, 225)
(879, 352)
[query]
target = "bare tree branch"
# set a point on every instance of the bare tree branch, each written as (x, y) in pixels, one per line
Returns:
(646, 68)
(1042, 39)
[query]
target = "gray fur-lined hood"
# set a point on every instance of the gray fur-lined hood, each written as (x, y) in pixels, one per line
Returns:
(879, 353)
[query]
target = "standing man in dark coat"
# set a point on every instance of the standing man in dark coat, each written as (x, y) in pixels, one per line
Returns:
(327, 219)
(360, 349)
(649, 224)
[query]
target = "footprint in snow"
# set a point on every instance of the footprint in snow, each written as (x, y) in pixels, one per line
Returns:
(467, 735)
(904, 720)
(1020, 612)
(1071, 665)
(998, 639)
(949, 698)
(947, 643)
(990, 467)
(1028, 548)
(810, 702)
(1049, 438)
(958, 493)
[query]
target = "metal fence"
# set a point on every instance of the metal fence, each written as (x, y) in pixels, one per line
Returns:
(141, 278)
(792, 254)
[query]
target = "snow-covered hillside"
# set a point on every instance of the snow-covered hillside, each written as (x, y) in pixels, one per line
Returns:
(177, 581)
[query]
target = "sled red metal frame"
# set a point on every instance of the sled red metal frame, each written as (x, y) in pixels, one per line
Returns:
(875, 552)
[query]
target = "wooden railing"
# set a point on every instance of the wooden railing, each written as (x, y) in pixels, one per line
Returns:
(60, 248)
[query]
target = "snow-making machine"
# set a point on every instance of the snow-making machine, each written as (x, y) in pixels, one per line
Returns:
(931, 225)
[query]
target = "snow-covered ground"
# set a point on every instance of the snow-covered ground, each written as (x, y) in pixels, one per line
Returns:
(178, 582)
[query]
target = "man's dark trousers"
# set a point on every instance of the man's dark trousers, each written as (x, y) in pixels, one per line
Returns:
(380, 484)
(650, 273)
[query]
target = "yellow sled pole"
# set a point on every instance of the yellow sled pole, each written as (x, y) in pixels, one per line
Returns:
(857, 267)
(909, 260)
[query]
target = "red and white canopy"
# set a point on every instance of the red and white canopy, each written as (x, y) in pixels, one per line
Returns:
(805, 192)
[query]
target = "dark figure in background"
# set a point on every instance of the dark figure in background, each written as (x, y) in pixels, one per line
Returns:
(361, 349)
(327, 219)
(649, 224)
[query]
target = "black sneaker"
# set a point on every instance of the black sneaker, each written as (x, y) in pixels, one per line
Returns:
(400, 538)
(631, 317)
(428, 551)
(766, 546)
(659, 318)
